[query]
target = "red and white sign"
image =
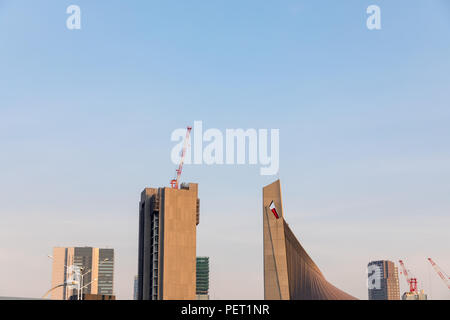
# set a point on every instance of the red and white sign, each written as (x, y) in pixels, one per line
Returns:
(274, 210)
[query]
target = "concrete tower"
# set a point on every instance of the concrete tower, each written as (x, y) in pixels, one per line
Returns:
(168, 220)
(289, 272)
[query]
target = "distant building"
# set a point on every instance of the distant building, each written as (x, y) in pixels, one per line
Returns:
(96, 265)
(168, 220)
(135, 291)
(202, 284)
(383, 280)
(415, 296)
(20, 298)
(94, 297)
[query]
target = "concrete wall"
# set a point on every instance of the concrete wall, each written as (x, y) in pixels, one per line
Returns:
(289, 272)
(276, 285)
(177, 211)
(179, 243)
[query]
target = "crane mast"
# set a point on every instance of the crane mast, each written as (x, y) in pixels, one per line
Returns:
(440, 273)
(412, 281)
(175, 182)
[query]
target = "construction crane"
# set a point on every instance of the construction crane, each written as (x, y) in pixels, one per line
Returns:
(440, 273)
(175, 182)
(412, 281)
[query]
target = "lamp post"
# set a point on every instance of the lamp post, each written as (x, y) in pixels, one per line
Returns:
(75, 270)
(82, 297)
(82, 286)
(58, 286)
(80, 275)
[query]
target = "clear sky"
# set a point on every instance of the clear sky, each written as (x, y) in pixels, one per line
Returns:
(86, 117)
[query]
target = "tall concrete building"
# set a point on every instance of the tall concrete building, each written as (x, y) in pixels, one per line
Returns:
(168, 220)
(383, 280)
(202, 284)
(95, 264)
(289, 272)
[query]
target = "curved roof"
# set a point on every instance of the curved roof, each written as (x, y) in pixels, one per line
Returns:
(306, 281)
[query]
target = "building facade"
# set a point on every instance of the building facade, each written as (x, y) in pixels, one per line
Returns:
(289, 272)
(92, 267)
(383, 280)
(168, 220)
(95, 297)
(135, 288)
(420, 295)
(202, 283)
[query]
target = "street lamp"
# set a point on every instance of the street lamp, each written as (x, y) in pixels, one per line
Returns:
(80, 282)
(71, 283)
(75, 270)
(82, 278)
(82, 297)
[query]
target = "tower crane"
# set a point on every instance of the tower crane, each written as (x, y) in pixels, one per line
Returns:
(412, 281)
(175, 182)
(440, 273)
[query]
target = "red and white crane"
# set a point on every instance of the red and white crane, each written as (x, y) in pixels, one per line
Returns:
(440, 273)
(412, 281)
(175, 182)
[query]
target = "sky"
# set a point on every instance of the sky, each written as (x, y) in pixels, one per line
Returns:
(86, 118)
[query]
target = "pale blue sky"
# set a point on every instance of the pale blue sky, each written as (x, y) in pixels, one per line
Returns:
(86, 118)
